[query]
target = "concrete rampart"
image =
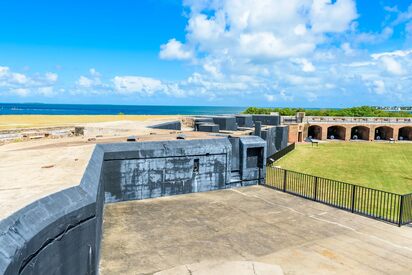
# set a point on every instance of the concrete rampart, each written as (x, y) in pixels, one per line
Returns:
(170, 125)
(273, 120)
(165, 168)
(61, 233)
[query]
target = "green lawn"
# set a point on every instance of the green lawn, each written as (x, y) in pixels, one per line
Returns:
(378, 165)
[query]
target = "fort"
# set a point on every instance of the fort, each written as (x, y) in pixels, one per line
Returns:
(125, 215)
(348, 128)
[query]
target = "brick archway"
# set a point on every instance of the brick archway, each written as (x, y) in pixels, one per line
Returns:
(360, 132)
(315, 132)
(383, 133)
(336, 132)
(405, 133)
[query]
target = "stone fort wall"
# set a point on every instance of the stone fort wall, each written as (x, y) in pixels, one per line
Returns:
(61, 233)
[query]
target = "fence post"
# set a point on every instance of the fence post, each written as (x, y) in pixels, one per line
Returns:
(284, 180)
(315, 195)
(352, 207)
(400, 211)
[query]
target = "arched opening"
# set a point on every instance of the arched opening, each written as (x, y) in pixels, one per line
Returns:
(359, 133)
(315, 132)
(336, 132)
(383, 133)
(405, 133)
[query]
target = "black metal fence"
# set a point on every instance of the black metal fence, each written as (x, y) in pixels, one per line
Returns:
(377, 204)
(280, 153)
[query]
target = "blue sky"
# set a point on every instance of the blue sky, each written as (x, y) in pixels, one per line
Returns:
(310, 53)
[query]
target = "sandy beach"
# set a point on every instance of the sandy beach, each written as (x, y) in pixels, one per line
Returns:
(8, 122)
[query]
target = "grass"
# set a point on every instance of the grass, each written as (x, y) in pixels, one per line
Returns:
(33, 121)
(377, 165)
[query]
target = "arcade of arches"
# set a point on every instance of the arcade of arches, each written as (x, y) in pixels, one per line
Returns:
(358, 132)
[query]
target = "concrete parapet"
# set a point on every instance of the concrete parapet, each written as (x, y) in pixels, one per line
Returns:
(226, 122)
(170, 125)
(244, 120)
(208, 127)
(267, 119)
(61, 233)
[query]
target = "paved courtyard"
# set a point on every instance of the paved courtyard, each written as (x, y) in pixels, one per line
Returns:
(254, 226)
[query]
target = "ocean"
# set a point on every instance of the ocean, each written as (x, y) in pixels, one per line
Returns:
(92, 109)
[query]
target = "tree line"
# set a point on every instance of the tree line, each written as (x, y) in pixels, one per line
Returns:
(363, 111)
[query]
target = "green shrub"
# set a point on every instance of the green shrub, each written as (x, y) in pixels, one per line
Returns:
(363, 111)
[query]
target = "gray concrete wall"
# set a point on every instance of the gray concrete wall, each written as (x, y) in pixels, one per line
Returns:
(276, 138)
(167, 168)
(171, 125)
(252, 160)
(208, 127)
(244, 120)
(267, 119)
(61, 233)
(225, 122)
(269, 135)
(281, 140)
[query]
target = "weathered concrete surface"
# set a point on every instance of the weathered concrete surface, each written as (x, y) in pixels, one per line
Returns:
(253, 224)
(225, 122)
(22, 178)
(170, 125)
(153, 169)
(267, 119)
(235, 268)
(208, 127)
(58, 234)
(244, 120)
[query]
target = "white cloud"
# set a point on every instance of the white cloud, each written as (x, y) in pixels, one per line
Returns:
(94, 73)
(46, 91)
(19, 78)
(392, 65)
(52, 77)
(398, 53)
(174, 50)
(270, 97)
(92, 81)
(305, 64)
(261, 29)
(4, 71)
(347, 49)
(253, 47)
(267, 45)
(379, 87)
(336, 17)
(137, 84)
(22, 92)
(85, 82)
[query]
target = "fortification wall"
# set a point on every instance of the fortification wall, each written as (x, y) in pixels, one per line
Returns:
(170, 125)
(58, 234)
(61, 233)
(150, 170)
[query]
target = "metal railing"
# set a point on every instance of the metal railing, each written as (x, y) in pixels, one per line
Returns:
(381, 205)
(280, 153)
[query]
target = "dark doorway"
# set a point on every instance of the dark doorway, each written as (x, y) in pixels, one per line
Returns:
(360, 133)
(315, 132)
(336, 132)
(383, 133)
(405, 133)
(300, 139)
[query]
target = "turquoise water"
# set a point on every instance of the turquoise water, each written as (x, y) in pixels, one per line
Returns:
(90, 109)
